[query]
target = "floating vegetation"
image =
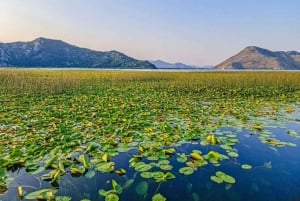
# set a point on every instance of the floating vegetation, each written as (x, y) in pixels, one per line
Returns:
(44, 194)
(221, 177)
(246, 166)
(268, 164)
(211, 139)
(186, 170)
(141, 188)
(54, 125)
(112, 195)
(158, 197)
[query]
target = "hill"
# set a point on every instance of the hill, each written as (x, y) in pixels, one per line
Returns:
(166, 65)
(43, 52)
(256, 58)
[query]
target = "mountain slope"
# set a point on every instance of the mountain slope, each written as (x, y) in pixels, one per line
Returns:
(262, 59)
(165, 65)
(43, 52)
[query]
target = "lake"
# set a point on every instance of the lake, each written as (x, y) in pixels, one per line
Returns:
(107, 135)
(274, 174)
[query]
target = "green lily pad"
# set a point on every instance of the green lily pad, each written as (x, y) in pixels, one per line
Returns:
(226, 147)
(112, 197)
(169, 176)
(106, 167)
(44, 193)
(195, 196)
(213, 155)
(225, 177)
(65, 198)
(158, 197)
(166, 167)
(141, 188)
(128, 183)
(142, 167)
(181, 158)
(90, 174)
(147, 175)
(186, 170)
(216, 179)
(233, 154)
(246, 166)
(104, 193)
(157, 174)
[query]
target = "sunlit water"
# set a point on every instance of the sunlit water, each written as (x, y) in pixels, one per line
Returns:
(151, 70)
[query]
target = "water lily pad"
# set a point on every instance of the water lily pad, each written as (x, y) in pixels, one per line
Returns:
(226, 147)
(186, 170)
(257, 127)
(233, 154)
(166, 167)
(158, 197)
(49, 193)
(128, 183)
(142, 167)
(112, 197)
(141, 188)
(268, 164)
(213, 155)
(196, 156)
(195, 196)
(106, 167)
(157, 174)
(228, 187)
(225, 177)
(90, 174)
(121, 171)
(246, 166)
(66, 198)
(169, 176)
(163, 162)
(147, 175)
(216, 179)
(181, 158)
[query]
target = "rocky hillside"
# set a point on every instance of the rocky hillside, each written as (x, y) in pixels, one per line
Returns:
(166, 65)
(43, 52)
(257, 58)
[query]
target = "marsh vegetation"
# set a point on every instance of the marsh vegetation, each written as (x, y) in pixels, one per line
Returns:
(107, 135)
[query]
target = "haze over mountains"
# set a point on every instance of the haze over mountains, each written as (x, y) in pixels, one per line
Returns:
(256, 58)
(43, 52)
(166, 65)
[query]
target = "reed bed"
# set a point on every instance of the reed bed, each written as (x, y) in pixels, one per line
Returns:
(205, 84)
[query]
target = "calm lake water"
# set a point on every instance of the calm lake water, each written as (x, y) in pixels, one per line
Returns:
(152, 70)
(274, 174)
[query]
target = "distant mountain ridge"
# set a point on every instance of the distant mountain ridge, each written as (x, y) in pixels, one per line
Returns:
(166, 65)
(256, 58)
(43, 52)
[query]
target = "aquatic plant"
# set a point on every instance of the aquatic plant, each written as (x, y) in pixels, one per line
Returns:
(60, 123)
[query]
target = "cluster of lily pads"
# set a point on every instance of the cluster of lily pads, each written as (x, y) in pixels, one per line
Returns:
(80, 133)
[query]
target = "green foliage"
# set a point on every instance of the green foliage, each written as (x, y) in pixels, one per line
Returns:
(79, 121)
(158, 197)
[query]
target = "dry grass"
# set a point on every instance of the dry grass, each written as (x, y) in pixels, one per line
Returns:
(212, 84)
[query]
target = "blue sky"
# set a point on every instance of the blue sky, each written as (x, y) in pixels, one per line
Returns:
(197, 32)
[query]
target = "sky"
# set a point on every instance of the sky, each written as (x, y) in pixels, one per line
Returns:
(198, 32)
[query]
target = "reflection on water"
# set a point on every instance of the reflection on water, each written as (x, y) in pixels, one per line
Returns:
(274, 174)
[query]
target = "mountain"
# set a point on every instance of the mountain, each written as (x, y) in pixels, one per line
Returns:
(165, 65)
(262, 59)
(43, 52)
